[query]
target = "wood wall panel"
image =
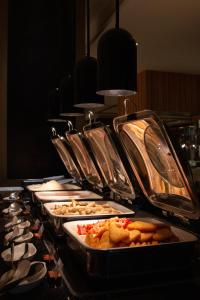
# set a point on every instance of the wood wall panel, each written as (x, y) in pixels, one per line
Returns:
(3, 87)
(164, 91)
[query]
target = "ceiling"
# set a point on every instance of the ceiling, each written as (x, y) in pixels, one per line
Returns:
(168, 32)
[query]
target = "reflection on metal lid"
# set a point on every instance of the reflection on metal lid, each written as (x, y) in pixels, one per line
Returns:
(155, 163)
(160, 156)
(109, 161)
(65, 155)
(84, 159)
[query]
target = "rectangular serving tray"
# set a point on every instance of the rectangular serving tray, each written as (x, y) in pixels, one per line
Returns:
(65, 186)
(58, 220)
(128, 261)
(65, 195)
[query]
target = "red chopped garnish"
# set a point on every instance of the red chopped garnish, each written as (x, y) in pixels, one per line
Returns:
(92, 228)
(84, 229)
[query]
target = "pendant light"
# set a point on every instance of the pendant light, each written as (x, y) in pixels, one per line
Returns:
(85, 75)
(117, 61)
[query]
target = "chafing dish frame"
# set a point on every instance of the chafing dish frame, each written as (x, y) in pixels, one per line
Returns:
(58, 220)
(128, 261)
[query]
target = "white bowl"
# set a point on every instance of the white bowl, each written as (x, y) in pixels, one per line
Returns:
(18, 252)
(24, 238)
(35, 276)
(24, 224)
(14, 276)
(10, 234)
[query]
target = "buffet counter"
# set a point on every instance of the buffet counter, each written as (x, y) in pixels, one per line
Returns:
(74, 283)
(128, 229)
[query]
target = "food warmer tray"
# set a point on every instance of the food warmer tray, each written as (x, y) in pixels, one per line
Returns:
(128, 261)
(159, 175)
(65, 187)
(66, 195)
(43, 197)
(58, 220)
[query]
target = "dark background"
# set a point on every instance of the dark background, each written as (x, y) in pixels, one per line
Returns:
(41, 44)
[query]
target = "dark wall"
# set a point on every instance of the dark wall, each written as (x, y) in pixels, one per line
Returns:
(40, 53)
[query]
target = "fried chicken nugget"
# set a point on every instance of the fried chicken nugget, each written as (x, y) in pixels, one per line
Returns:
(102, 230)
(134, 235)
(105, 242)
(146, 237)
(117, 234)
(142, 226)
(162, 234)
(92, 240)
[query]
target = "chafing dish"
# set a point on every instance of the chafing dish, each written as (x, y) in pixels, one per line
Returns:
(44, 197)
(126, 261)
(68, 158)
(141, 160)
(90, 168)
(45, 187)
(57, 220)
(66, 195)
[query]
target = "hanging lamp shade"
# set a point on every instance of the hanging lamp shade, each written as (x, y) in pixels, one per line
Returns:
(85, 75)
(66, 94)
(117, 62)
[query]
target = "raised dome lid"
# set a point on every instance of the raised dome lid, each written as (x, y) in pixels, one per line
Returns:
(160, 170)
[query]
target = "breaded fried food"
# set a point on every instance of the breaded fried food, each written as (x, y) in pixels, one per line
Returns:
(117, 234)
(162, 234)
(102, 229)
(142, 226)
(92, 240)
(134, 235)
(105, 242)
(146, 236)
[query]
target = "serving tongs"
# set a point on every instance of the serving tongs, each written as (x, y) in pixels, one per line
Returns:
(12, 277)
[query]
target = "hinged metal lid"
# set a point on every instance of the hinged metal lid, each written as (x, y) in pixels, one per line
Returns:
(110, 158)
(85, 158)
(65, 152)
(160, 170)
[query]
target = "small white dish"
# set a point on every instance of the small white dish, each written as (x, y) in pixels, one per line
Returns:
(35, 276)
(13, 276)
(5, 211)
(24, 225)
(12, 223)
(13, 234)
(24, 238)
(19, 252)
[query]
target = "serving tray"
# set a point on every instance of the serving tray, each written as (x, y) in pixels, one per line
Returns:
(128, 261)
(58, 220)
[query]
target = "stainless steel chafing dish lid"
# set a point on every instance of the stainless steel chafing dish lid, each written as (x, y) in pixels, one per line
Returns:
(155, 162)
(109, 160)
(85, 158)
(63, 148)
